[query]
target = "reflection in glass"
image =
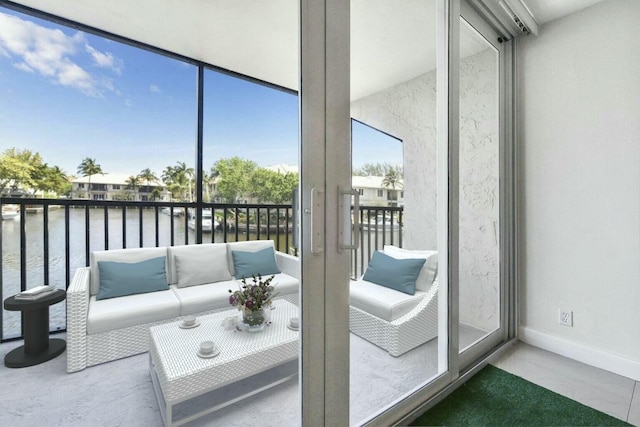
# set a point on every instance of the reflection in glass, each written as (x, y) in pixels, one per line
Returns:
(393, 89)
(479, 266)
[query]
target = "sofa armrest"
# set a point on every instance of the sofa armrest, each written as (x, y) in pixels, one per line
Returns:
(288, 264)
(77, 312)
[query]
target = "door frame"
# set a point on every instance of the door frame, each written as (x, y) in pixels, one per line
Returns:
(506, 184)
(325, 137)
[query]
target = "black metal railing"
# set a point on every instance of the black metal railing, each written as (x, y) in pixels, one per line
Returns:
(379, 226)
(50, 238)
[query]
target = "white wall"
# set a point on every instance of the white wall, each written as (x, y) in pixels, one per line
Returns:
(579, 135)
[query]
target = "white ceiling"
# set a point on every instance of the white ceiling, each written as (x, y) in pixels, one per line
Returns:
(391, 41)
(255, 38)
(545, 11)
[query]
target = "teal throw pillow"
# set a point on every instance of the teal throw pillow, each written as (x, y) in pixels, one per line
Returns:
(118, 279)
(398, 274)
(261, 263)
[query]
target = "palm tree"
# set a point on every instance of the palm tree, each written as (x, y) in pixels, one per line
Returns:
(132, 183)
(89, 167)
(168, 179)
(148, 176)
(167, 175)
(207, 180)
(183, 177)
(392, 179)
(156, 193)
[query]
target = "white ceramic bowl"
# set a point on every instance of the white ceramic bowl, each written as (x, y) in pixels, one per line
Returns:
(206, 347)
(294, 322)
(188, 320)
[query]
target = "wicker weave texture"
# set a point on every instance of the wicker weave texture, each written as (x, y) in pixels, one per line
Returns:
(183, 374)
(288, 264)
(77, 310)
(415, 328)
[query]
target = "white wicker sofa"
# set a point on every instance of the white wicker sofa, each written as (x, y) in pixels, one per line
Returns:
(101, 330)
(394, 320)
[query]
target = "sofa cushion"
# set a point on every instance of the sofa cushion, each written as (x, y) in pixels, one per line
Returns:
(210, 296)
(198, 264)
(122, 255)
(398, 274)
(429, 269)
(117, 313)
(385, 303)
(250, 246)
(119, 279)
(262, 262)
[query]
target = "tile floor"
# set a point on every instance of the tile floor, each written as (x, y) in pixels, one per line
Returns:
(48, 384)
(612, 394)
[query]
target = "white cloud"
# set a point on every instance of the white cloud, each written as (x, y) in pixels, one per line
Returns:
(23, 67)
(70, 74)
(154, 89)
(105, 59)
(49, 52)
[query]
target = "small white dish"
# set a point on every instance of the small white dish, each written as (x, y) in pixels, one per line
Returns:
(292, 328)
(214, 353)
(183, 326)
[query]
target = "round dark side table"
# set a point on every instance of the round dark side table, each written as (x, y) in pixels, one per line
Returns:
(37, 346)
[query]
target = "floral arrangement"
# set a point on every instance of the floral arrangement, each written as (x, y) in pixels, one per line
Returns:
(253, 296)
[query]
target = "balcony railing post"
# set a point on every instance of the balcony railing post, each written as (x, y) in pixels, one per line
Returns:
(45, 240)
(106, 228)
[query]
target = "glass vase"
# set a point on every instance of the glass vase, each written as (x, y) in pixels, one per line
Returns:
(253, 321)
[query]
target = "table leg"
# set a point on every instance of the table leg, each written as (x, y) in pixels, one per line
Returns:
(36, 330)
(37, 348)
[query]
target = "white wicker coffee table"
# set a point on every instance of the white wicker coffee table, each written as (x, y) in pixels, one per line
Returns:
(179, 374)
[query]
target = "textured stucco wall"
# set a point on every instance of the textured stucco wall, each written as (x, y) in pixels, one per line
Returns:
(479, 191)
(408, 111)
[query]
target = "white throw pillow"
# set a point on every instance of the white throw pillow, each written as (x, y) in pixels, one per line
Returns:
(429, 269)
(199, 267)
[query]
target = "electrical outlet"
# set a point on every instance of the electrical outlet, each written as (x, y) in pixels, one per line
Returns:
(566, 318)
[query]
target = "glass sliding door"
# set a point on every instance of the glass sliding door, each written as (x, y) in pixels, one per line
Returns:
(395, 337)
(481, 189)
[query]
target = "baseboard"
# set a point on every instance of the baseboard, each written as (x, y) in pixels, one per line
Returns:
(581, 353)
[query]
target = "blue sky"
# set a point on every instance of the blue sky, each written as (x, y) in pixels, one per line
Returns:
(70, 95)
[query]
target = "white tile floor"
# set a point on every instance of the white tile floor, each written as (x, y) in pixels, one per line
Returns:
(602, 390)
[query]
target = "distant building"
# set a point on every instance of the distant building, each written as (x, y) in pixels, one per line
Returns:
(374, 193)
(114, 187)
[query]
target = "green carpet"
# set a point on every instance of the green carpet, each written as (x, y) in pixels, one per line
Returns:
(494, 397)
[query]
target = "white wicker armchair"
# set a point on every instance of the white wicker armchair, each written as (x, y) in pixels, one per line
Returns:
(414, 328)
